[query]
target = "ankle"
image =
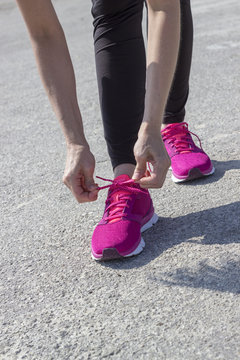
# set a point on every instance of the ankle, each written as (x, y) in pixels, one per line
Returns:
(124, 169)
(163, 126)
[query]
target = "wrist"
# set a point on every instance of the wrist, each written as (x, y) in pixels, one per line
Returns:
(150, 128)
(78, 143)
(75, 136)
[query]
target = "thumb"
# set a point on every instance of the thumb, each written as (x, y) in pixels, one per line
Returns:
(89, 181)
(140, 169)
(90, 184)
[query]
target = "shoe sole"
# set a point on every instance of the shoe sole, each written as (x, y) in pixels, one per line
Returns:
(193, 174)
(112, 253)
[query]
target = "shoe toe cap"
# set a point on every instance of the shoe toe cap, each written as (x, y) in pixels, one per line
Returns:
(183, 163)
(122, 235)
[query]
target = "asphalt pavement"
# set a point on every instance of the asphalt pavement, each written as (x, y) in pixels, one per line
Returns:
(180, 298)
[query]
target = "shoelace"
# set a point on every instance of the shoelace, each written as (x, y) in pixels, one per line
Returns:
(116, 207)
(181, 141)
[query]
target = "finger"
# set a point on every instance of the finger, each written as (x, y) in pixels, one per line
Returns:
(150, 186)
(93, 195)
(85, 197)
(148, 181)
(140, 169)
(88, 181)
(153, 181)
(66, 181)
(77, 189)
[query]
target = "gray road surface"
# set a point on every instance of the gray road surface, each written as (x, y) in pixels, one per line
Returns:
(179, 299)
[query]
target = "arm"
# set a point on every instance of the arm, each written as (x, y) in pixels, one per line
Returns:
(57, 74)
(162, 51)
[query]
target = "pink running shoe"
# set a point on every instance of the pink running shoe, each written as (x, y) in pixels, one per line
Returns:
(188, 161)
(128, 212)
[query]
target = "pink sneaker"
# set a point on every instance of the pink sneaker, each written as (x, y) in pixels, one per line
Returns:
(188, 162)
(128, 212)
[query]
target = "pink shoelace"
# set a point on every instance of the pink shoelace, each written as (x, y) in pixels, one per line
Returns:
(116, 207)
(178, 136)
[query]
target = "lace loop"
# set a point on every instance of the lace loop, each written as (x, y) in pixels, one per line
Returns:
(182, 141)
(114, 183)
(119, 194)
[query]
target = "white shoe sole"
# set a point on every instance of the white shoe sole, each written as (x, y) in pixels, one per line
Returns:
(193, 174)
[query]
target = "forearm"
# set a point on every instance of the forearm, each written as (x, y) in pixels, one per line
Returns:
(162, 52)
(54, 64)
(57, 75)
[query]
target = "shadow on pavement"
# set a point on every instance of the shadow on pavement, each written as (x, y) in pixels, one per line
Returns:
(225, 278)
(219, 225)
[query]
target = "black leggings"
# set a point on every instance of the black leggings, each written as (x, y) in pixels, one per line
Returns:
(121, 72)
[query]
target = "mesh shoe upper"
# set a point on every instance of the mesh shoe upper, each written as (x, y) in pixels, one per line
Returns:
(128, 207)
(184, 154)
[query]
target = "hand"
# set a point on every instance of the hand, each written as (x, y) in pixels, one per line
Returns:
(150, 148)
(78, 174)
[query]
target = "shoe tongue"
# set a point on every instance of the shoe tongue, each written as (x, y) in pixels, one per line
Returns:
(182, 132)
(179, 135)
(121, 178)
(115, 195)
